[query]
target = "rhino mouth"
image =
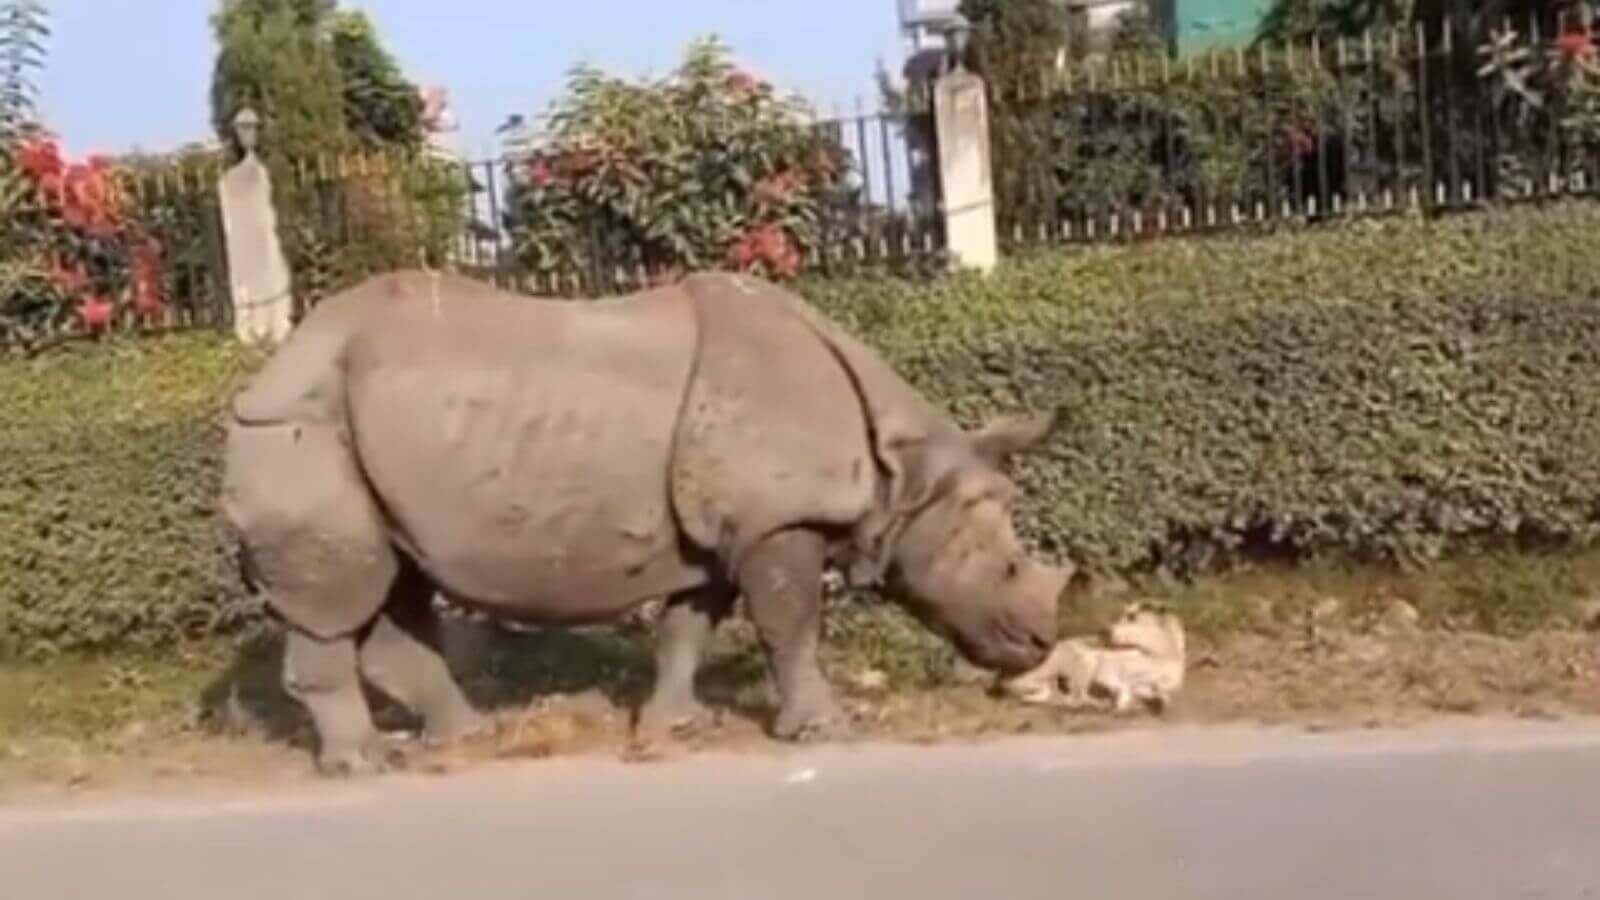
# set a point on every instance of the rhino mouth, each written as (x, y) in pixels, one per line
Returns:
(1026, 649)
(998, 646)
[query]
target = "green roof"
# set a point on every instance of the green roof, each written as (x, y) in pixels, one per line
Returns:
(1201, 25)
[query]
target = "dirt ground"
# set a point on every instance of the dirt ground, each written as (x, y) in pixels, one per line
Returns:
(1323, 647)
(1320, 676)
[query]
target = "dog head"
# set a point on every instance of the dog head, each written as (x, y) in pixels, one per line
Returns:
(1151, 628)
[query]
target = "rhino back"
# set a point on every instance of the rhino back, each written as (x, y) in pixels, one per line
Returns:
(521, 447)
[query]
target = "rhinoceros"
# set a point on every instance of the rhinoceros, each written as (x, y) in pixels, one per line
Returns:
(562, 462)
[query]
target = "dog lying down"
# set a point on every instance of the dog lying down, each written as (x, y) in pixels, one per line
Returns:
(1142, 657)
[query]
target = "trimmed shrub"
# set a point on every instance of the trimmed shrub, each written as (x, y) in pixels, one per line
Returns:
(1388, 390)
(110, 534)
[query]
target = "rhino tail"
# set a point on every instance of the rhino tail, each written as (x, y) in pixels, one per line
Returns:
(314, 540)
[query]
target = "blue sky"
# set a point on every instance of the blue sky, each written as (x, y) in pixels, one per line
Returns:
(127, 73)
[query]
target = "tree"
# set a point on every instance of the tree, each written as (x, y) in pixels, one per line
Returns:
(24, 26)
(1015, 42)
(319, 77)
(381, 108)
(276, 57)
(1299, 20)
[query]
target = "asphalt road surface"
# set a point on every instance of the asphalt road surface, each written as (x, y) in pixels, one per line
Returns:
(1499, 811)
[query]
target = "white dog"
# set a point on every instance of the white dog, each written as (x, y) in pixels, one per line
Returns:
(1142, 658)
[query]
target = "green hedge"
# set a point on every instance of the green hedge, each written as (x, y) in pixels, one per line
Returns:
(1391, 390)
(109, 476)
(1388, 389)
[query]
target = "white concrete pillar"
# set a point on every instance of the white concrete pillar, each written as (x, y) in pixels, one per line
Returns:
(258, 273)
(966, 178)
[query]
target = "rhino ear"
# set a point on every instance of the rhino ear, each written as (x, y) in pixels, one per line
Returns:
(1007, 436)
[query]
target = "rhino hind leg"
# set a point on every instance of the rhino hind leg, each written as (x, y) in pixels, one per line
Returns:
(781, 580)
(402, 655)
(317, 546)
(686, 626)
(322, 675)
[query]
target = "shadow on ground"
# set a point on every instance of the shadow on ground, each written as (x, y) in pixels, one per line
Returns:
(502, 671)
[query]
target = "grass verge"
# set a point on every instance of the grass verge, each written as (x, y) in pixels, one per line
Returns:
(1325, 646)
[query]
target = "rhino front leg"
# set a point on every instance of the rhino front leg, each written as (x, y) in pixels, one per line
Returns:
(781, 580)
(403, 657)
(686, 626)
(322, 675)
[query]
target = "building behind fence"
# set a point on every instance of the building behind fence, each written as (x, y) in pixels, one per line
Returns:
(1121, 148)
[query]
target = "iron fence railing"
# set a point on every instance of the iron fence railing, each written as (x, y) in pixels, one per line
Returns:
(1427, 119)
(1430, 120)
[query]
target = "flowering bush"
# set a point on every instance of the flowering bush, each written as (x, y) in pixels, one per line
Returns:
(707, 167)
(73, 249)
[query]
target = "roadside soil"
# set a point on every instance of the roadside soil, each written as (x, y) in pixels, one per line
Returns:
(109, 725)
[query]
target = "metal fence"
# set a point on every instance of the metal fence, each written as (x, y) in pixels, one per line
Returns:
(1388, 121)
(1119, 148)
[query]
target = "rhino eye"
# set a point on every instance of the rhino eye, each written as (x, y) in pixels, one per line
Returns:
(1011, 569)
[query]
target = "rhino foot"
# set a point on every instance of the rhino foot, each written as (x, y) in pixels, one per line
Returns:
(461, 725)
(375, 755)
(680, 720)
(812, 726)
(663, 723)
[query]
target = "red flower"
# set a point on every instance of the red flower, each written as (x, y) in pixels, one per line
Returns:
(768, 245)
(95, 312)
(87, 201)
(779, 189)
(539, 173)
(741, 82)
(1301, 143)
(41, 159)
(53, 188)
(1576, 44)
(147, 301)
(147, 298)
(576, 164)
(68, 281)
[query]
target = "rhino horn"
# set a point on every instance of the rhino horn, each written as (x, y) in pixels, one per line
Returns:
(1007, 436)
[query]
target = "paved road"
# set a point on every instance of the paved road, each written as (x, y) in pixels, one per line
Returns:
(1492, 811)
